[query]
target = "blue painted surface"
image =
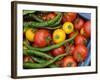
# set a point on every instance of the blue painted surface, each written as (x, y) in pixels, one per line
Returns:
(86, 16)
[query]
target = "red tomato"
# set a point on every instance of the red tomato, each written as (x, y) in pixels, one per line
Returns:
(71, 34)
(69, 61)
(58, 51)
(80, 53)
(49, 16)
(42, 38)
(72, 47)
(79, 39)
(69, 16)
(87, 29)
(78, 23)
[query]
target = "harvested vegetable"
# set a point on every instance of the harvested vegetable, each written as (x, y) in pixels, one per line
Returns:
(59, 36)
(78, 23)
(69, 61)
(41, 65)
(36, 53)
(58, 51)
(42, 38)
(80, 53)
(86, 30)
(52, 46)
(30, 34)
(55, 39)
(68, 27)
(69, 16)
(43, 24)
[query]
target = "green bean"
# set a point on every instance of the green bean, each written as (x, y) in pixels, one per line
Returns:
(53, 66)
(42, 65)
(28, 11)
(38, 60)
(42, 24)
(36, 17)
(36, 53)
(57, 23)
(51, 28)
(52, 46)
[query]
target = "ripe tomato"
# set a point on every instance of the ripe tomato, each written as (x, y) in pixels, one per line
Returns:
(86, 30)
(49, 16)
(78, 23)
(79, 39)
(58, 51)
(42, 38)
(80, 53)
(69, 16)
(72, 47)
(69, 61)
(71, 34)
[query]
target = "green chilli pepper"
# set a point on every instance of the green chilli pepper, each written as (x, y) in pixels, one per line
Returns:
(57, 23)
(53, 66)
(42, 24)
(28, 11)
(36, 53)
(39, 60)
(42, 65)
(52, 46)
(52, 28)
(36, 17)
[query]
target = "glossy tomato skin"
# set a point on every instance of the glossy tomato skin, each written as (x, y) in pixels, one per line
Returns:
(72, 47)
(42, 38)
(80, 53)
(71, 34)
(58, 51)
(49, 16)
(69, 61)
(87, 29)
(69, 16)
(78, 23)
(79, 39)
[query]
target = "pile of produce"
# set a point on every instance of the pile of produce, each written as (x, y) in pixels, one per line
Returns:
(55, 39)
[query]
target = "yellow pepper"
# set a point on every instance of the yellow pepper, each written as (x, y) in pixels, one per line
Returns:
(68, 27)
(59, 35)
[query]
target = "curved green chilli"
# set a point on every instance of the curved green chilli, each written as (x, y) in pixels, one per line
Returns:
(36, 17)
(28, 11)
(57, 23)
(42, 65)
(39, 60)
(36, 53)
(41, 24)
(51, 28)
(52, 46)
(53, 66)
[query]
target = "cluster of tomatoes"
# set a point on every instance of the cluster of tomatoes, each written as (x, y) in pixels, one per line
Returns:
(71, 23)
